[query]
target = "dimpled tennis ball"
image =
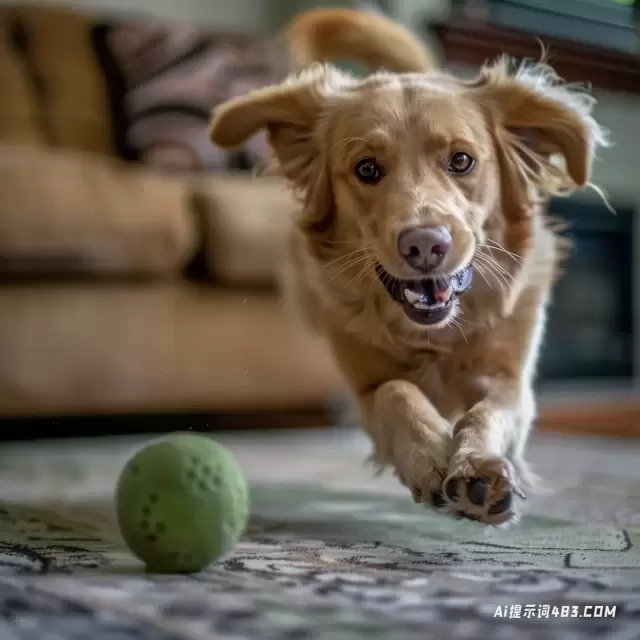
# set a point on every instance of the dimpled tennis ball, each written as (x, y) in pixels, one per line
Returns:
(182, 502)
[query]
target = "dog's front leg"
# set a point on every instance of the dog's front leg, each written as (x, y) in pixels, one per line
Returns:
(486, 471)
(486, 466)
(409, 435)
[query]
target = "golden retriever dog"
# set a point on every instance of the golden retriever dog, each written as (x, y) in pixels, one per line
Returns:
(421, 250)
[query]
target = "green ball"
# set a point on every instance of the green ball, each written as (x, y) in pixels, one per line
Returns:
(182, 502)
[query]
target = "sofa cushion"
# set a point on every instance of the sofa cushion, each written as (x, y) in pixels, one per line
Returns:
(84, 213)
(155, 347)
(246, 221)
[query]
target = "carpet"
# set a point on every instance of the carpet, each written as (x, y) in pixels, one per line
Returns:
(330, 553)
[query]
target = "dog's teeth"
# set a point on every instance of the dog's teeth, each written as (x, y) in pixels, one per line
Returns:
(420, 302)
(429, 307)
(445, 296)
(412, 297)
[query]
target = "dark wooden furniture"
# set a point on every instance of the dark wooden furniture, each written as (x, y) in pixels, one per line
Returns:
(472, 43)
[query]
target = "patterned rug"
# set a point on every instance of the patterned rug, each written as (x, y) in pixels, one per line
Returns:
(330, 553)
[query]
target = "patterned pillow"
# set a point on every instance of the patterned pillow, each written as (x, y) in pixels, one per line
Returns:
(173, 77)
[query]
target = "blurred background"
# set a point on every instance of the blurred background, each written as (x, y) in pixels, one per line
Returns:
(138, 262)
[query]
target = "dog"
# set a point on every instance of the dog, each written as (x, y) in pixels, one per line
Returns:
(422, 250)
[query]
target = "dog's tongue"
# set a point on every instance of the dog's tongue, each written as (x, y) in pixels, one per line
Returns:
(432, 288)
(440, 285)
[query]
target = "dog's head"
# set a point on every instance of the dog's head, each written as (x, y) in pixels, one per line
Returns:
(411, 172)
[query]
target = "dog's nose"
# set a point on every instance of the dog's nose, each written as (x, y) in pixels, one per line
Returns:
(424, 247)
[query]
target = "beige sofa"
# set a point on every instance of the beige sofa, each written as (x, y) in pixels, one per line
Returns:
(123, 289)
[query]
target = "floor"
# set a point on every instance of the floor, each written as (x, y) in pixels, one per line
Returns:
(337, 458)
(331, 551)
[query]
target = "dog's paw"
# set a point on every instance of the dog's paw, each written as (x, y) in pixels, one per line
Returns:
(482, 488)
(429, 496)
(424, 476)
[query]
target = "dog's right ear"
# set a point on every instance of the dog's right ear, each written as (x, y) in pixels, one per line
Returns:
(291, 113)
(294, 116)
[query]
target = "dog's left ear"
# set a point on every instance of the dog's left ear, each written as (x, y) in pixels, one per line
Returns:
(538, 117)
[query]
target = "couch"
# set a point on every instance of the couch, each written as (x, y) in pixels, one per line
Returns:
(126, 286)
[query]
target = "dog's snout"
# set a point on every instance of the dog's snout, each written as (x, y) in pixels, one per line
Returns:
(424, 247)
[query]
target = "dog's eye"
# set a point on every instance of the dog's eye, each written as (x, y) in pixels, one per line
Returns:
(369, 171)
(460, 164)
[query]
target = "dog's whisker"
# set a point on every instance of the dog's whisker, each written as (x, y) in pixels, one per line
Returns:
(348, 266)
(494, 243)
(348, 255)
(499, 277)
(480, 270)
(496, 261)
(458, 324)
(353, 243)
(352, 263)
(499, 247)
(502, 269)
(490, 259)
(387, 279)
(374, 276)
(346, 141)
(487, 252)
(477, 258)
(362, 278)
(368, 271)
(360, 274)
(505, 277)
(369, 278)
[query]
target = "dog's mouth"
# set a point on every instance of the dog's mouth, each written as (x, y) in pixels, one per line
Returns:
(427, 300)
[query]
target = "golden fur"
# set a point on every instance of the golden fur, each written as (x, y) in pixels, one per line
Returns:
(447, 406)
